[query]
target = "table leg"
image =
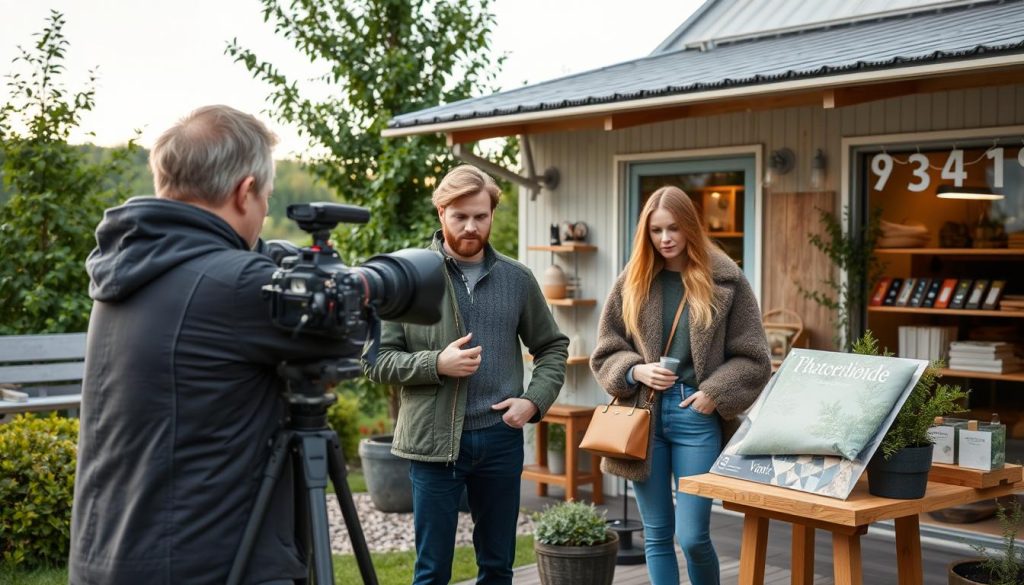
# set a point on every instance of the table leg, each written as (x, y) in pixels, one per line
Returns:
(846, 558)
(803, 555)
(572, 472)
(542, 454)
(753, 549)
(908, 550)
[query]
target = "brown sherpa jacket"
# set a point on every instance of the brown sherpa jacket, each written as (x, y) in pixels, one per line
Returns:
(730, 358)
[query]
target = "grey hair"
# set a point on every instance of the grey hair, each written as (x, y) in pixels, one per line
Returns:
(209, 152)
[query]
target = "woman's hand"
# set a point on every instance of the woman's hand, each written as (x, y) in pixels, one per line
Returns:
(700, 402)
(654, 376)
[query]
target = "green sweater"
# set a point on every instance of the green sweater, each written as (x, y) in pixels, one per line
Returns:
(672, 290)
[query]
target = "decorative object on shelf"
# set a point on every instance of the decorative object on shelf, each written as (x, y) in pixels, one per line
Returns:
(896, 235)
(580, 231)
(572, 287)
(574, 545)
(954, 235)
(989, 233)
(577, 346)
(554, 282)
(899, 469)
(555, 237)
(780, 162)
(1002, 566)
(556, 449)
(784, 335)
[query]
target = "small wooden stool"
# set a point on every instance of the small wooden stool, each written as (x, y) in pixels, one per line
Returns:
(576, 420)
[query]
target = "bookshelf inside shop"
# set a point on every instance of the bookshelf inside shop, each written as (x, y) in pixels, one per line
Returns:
(953, 274)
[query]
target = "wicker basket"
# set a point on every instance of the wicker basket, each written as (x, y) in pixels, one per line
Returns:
(577, 565)
(785, 330)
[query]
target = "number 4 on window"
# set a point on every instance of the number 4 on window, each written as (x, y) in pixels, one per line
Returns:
(954, 168)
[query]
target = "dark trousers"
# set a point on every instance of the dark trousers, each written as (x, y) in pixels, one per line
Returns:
(489, 467)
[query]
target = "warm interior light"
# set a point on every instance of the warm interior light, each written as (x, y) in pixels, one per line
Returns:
(967, 192)
(715, 194)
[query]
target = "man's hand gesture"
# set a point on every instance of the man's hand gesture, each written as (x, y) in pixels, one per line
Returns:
(457, 362)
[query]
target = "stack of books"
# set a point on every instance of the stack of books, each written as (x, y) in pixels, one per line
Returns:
(1016, 240)
(993, 357)
(925, 343)
(1012, 303)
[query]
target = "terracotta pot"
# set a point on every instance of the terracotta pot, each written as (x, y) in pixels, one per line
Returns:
(965, 571)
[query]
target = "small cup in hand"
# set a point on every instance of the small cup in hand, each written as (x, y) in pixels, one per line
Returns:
(669, 363)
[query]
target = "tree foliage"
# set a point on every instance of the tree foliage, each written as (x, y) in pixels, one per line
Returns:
(56, 195)
(380, 58)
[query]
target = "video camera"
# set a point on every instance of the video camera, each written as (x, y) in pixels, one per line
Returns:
(315, 292)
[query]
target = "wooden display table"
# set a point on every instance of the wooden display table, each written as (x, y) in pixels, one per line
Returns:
(846, 519)
(576, 420)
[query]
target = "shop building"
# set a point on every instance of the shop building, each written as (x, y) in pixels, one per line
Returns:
(766, 111)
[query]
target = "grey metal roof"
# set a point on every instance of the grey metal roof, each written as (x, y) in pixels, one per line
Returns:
(718, 19)
(943, 35)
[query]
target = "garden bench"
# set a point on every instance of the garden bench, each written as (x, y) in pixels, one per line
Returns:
(40, 373)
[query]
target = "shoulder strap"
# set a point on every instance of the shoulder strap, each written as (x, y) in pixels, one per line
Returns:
(675, 323)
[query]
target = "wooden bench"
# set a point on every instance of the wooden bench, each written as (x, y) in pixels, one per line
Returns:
(48, 368)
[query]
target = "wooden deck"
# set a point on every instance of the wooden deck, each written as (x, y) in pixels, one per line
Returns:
(878, 551)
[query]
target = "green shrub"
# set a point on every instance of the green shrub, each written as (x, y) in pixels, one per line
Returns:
(37, 479)
(571, 524)
(556, 438)
(343, 416)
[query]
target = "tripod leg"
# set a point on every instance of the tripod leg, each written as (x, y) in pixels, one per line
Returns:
(278, 457)
(339, 478)
(313, 454)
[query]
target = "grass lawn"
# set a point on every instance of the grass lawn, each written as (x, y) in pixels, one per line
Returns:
(392, 568)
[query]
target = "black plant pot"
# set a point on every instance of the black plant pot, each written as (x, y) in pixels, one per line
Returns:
(904, 476)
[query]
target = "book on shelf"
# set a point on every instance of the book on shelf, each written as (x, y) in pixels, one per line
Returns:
(963, 287)
(893, 292)
(977, 294)
(1011, 303)
(917, 295)
(945, 293)
(981, 347)
(995, 293)
(933, 293)
(1002, 368)
(880, 289)
(960, 363)
(925, 343)
(908, 287)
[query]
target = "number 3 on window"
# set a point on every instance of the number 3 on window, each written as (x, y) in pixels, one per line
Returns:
(921, 172)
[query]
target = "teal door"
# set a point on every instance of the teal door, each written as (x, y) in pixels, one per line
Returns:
(723, 190)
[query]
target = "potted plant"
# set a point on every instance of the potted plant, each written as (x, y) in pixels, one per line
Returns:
(574, 546)
(1003, 567)
(556, 449)
(900, 466)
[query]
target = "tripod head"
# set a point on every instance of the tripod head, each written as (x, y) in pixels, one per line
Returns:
(308, 385)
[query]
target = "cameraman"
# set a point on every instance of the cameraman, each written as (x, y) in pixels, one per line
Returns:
(180, 398)
(463, 407)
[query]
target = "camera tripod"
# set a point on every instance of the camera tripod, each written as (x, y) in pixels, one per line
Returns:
(315, 447)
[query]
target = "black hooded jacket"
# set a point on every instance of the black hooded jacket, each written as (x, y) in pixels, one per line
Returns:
(179, 403)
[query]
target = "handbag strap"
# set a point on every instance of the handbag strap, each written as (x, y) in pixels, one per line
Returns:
(675, 323)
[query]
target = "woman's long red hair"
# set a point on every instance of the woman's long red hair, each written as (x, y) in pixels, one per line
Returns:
(645, 261)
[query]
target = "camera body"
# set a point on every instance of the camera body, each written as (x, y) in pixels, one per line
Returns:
(315, 292)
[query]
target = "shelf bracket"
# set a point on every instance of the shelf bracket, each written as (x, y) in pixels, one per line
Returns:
(532, 181)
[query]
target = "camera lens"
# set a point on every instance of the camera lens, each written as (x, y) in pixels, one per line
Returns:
(406, 285)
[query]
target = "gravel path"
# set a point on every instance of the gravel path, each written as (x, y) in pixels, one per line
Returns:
(393, 532)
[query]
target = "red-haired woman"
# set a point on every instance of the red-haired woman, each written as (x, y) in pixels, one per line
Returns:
(680, 297)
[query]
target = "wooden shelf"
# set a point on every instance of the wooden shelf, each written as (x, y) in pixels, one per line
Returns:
(1019, 252)
(958, 312)
(589, 303)
(565, 248)
(725, 234)
(574, 360)
(1017, 376)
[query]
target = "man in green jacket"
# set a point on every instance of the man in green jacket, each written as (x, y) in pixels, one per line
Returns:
(463, 407)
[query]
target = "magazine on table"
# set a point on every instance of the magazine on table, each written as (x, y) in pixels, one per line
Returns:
(819, 421)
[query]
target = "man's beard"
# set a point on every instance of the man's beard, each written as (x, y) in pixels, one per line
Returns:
(465, 247)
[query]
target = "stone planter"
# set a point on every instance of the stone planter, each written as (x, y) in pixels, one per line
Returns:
(387, 475)
(577, 565)
(967, 572)
(904, 476)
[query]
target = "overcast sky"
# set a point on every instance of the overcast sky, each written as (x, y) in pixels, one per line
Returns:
(157, 60)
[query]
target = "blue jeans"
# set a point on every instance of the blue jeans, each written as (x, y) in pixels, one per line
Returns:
(489, 468)
(685, 443)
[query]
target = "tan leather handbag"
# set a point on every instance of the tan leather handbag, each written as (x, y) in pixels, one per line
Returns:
(621, 431)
